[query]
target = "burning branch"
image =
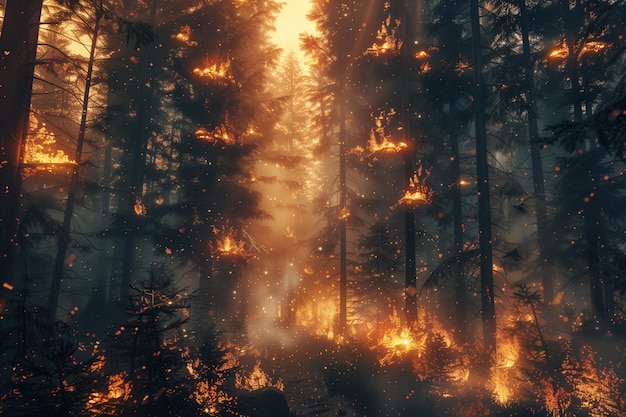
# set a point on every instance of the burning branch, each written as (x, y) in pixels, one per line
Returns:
(419, 192)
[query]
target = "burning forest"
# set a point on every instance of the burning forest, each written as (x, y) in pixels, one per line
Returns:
(254, 208)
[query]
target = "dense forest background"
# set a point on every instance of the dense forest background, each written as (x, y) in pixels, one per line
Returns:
(418, 213)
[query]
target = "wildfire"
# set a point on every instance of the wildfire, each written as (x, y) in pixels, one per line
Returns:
(40, 152)
(379, 141)
(184, 36)
(318, 317)
(221, 133)
(418, 192)
(592, 47)
(215, 71)
(119, 389)
(374, 146)
(257, 379)
(226, 244)
(387, 34)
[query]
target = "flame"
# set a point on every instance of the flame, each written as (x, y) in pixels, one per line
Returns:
(374, 146)
(226, 244)
(421, 54)
(39, 149)
(221, 133)
(215, 71)
(505, 379)
(119, 389)
(418, 192)
(140, 209)
(318, 316)
(344, 214)
(383, 145)
(591, 47)
(184, 36)
(387, 34)
(257, 379)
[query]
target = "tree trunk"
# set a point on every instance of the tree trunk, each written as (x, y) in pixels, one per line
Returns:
(410, 279)
(537, 165)
(18, 49)
(484, 208)
(64, 237)
(460, 290)
(343, 220)
(140, 136)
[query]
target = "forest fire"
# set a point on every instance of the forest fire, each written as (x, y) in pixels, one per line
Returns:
(375, 146)
(40, 152)
(590, 47)
(417, 212)
(119, 390)
(226, 243)
(215, 71)
(221, 134)
(257, 379)
(419, 192)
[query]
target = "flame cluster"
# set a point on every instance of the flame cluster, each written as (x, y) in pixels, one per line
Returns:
(418, 192)
(227, 244)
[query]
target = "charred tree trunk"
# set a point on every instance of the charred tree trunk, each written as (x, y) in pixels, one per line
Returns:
(64, 237)
(460, 290)
(410, 280)
(343, 215)
(543, 234)
(18, 44)
(484, 208)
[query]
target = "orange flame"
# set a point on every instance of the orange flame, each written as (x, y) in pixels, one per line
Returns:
(184, 36)
(374, 146)
(216, 71)
(387, 34)
(591, 47)
(418, 192)
(221, 133)
(257, 379)
(39, 150)
(226, 244)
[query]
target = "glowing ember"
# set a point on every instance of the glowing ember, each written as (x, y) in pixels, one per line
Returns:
(344, 214)
(140, 209)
